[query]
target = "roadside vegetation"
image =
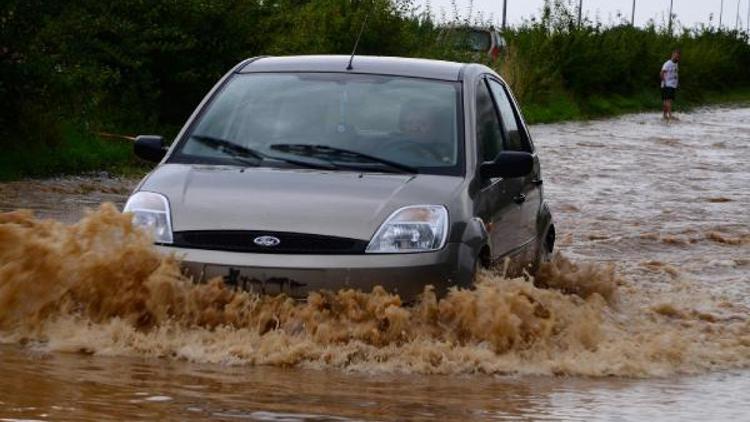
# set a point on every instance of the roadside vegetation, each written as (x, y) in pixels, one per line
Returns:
(72, 70)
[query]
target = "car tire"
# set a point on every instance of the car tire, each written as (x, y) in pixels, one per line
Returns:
(545, 249)
(477, 265)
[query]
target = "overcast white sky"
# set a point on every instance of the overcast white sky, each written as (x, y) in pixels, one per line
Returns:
(689, 12)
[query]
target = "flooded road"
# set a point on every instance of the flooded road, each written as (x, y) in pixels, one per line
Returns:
(645, 317)
(68, 386)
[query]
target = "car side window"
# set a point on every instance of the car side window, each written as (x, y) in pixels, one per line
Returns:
(489, 138)
(515, 137)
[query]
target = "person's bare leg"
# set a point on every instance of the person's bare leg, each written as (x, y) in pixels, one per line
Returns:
(672, 116)
(664, 109)
(668, 109)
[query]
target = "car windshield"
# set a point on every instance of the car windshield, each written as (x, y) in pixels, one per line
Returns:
(330, 120)
(471, 39)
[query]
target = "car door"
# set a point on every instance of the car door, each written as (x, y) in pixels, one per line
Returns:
(494, 203)
(525, 191)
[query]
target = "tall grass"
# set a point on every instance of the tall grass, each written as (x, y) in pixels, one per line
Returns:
(601, 70)
(76, 151)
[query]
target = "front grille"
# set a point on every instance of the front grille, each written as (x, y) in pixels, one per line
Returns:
(289, 243)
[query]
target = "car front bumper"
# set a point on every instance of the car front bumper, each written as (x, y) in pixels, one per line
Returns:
(298, 275)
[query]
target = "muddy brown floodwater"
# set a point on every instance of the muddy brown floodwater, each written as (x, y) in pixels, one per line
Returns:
(644, 316)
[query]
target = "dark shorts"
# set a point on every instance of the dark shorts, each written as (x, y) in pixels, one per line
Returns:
(668, 93)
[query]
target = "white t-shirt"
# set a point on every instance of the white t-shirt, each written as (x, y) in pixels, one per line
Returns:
(671, 74)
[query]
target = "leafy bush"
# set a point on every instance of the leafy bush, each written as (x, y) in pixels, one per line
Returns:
(595, 61)
(137, 66)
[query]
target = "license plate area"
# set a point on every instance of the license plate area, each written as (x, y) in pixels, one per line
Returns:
(253, 279)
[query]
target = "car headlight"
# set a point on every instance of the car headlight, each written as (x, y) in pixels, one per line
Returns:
(418, 228)
(151, 213)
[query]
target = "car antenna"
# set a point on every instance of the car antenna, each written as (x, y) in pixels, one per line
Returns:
(356, 43)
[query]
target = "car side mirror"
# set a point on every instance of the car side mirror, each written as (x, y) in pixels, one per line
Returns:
(150, 147)
(508, 164)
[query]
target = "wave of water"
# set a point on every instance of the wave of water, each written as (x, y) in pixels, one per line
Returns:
(99, 287)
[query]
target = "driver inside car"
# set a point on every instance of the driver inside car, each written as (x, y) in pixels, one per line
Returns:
(420, 138)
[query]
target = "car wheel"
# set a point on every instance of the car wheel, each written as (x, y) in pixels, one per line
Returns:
(481, 260)
(546, 248)
(475, 271)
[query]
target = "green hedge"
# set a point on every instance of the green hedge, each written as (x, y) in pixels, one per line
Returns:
(71, 69)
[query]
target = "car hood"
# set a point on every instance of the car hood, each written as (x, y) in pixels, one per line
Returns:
(333, 203)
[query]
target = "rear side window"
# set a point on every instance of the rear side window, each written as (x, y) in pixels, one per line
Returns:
(515, 137)
(489, 139)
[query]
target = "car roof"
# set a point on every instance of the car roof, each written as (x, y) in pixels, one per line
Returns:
(466, 27)
(397, 66)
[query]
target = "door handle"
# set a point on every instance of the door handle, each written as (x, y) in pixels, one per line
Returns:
(537, 182)
(520, 199)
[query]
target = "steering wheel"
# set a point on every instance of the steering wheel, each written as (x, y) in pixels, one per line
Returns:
(412, 148)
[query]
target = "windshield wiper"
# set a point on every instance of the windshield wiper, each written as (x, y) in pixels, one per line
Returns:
(230, 148)
(340, 156)
(240, 152)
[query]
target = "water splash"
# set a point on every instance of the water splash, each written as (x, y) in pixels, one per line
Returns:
(98, 286)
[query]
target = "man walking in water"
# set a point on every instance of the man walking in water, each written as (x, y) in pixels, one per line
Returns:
(669, 80)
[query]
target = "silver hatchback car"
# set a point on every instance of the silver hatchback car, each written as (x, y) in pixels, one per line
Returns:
(304, 173)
